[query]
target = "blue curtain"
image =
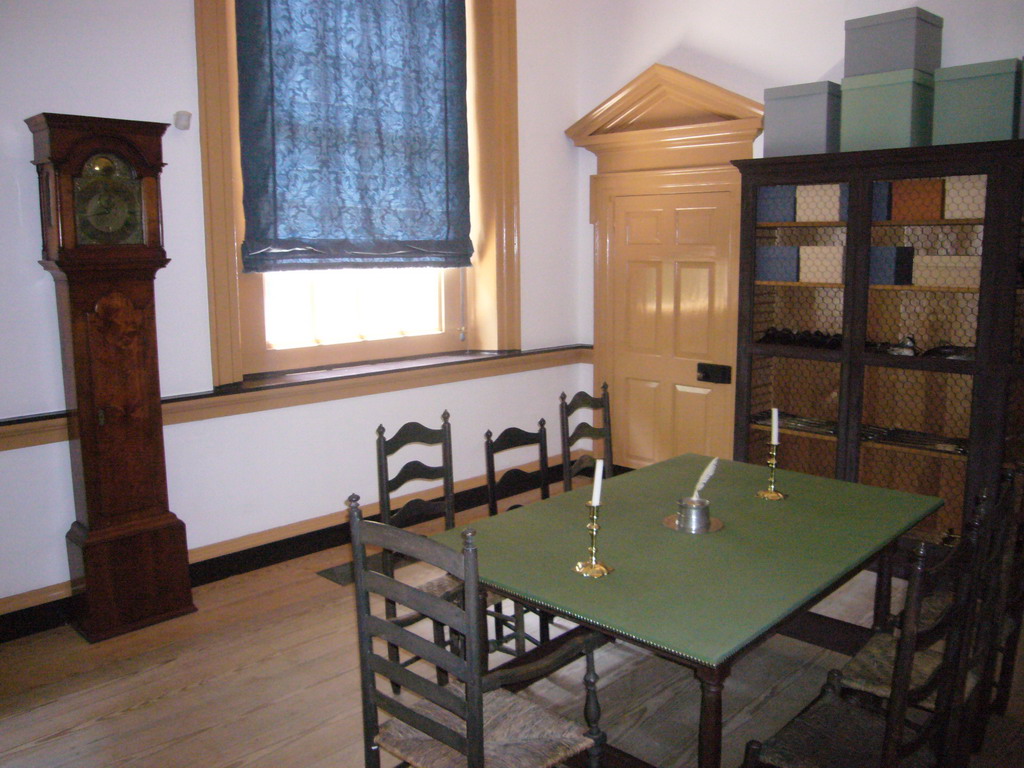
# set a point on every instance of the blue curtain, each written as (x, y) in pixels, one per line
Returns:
(353, 131)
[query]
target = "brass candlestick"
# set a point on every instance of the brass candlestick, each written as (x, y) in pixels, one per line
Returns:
(770, 494)
(593, 568)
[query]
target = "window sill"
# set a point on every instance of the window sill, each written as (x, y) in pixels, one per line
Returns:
(284, 390)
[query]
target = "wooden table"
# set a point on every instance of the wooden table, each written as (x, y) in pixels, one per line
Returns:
(700, 600)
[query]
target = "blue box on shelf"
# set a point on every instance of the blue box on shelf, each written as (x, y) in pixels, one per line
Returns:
(778, 263)
(776, 203)
(890, 265)
(881, 201)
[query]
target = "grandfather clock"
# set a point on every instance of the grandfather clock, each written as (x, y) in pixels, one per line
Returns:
(99, 190)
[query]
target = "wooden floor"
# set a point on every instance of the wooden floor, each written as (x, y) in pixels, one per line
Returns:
(265, 675)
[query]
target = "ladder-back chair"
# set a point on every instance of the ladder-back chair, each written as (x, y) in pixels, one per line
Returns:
(836, 731)
(513, 482)
(417, 509)
(472, 721)
(600, 405)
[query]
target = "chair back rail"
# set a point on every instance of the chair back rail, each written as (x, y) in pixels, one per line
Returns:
(515, 480)
(412, 433)
(600, 405)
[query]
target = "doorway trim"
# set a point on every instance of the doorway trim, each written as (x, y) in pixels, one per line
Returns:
(665, 131)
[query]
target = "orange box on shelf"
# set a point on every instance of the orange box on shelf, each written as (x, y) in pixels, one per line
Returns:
(917, 199)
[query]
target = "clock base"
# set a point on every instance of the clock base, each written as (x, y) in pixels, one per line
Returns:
(129, 576)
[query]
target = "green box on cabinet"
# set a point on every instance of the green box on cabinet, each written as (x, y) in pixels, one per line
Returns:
(887, 110)
(977, 102)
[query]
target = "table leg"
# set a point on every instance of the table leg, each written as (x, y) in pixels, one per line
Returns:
(883, 589)
(709, 745)
(592, 713)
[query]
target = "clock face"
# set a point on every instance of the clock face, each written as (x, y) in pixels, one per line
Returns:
(108, 202)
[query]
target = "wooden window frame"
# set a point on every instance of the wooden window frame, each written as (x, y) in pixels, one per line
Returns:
(492, 284)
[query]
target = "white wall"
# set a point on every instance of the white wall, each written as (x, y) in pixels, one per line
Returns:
(132, 59)
(232, 476)
(237, 475)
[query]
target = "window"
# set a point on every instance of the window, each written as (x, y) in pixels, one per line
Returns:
(487, 307)
(306, 308)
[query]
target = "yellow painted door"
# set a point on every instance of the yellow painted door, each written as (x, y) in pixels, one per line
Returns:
(673, 271)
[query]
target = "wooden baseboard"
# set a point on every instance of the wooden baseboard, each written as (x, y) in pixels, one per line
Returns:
(43, 608)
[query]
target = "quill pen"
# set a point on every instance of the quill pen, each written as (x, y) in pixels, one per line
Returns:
(706, 475)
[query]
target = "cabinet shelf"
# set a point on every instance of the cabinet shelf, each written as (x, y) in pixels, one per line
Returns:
(873, 287)
(920, 363)
(797, 432)
(926, 288)
(804, 351)
(952, 455)
(797, 284)
(930, 223)
(892, 438)
(801, 224)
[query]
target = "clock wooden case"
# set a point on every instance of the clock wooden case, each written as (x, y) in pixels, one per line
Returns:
(102, 243)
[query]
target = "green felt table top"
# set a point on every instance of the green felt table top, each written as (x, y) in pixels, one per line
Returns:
(700, 597)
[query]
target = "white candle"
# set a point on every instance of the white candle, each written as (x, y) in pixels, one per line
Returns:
(775, 426)
(598, 478)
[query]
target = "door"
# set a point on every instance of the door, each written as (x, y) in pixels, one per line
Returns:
(673, 282)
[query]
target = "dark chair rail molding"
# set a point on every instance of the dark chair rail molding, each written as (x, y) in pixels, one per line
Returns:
(289, 388)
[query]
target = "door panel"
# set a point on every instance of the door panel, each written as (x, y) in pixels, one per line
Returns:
(694, 283)
(672, 270)
(644, 297)
(690, 418)
(641, 400)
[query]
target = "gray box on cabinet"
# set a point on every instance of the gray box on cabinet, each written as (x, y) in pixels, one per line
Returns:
(801, 119)
(910, 38)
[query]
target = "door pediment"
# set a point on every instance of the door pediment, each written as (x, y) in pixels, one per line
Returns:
(663, 115)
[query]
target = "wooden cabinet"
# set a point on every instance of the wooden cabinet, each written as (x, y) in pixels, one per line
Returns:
(881, 310)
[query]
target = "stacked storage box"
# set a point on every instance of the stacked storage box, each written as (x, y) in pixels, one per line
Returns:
(978, 102)
(821, 203)
(801, 119)
(777, 262)
(888, 88)
(965, 197)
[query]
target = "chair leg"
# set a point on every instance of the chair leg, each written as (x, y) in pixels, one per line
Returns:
(519, 617)
(752, 755)
(1007, 666)
(499, 625)
(393, 657)
(439, 639)
(592, 713)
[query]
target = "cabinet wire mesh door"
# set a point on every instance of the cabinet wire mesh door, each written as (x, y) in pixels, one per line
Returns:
(882, 312)
(798, 305)
(924, 283)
